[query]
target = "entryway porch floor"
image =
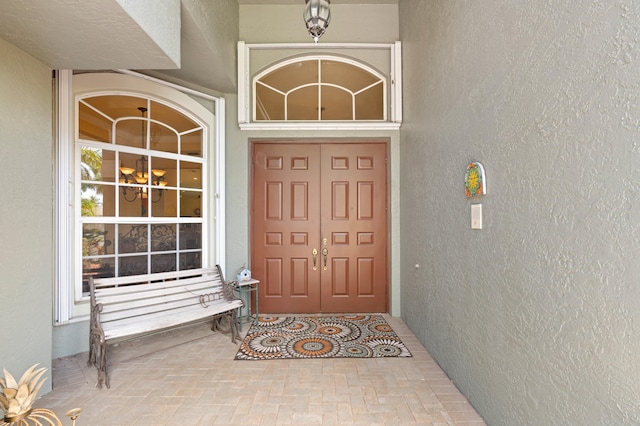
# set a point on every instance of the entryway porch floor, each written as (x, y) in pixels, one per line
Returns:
(188, 376)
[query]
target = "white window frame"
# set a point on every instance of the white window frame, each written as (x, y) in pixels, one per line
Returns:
(245, 97)
(69, 305)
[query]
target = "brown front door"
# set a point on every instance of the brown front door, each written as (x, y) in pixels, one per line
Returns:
(319, 227)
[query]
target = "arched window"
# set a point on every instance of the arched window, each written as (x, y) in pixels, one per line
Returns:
(141, 167)
(319, 88)
(139, 181)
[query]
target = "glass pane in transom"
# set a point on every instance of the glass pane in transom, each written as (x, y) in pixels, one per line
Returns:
(163, 138)
(302, 104)
(269, 104)
(369, 103)
(289, 77)
(337, 104)
(117, 106)
(93, 126)
(171, 117)
(346, 75)
(191, 143)
(132, 132)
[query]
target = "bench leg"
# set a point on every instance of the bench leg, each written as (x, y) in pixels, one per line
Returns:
(98, 358)
(233, 324)
(235, 334)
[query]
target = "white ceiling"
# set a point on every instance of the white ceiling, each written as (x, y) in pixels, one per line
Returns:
(101, 35)
(72, 35)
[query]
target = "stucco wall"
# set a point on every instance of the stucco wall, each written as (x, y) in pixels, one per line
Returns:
(535, 317)
(26, 212)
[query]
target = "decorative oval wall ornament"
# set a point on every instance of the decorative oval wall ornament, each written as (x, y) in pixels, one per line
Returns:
(474, 180)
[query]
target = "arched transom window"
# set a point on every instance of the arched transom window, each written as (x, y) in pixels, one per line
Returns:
(319, 88)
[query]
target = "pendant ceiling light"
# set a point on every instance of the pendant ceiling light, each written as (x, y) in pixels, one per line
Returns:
(317, 17)
(140, 174)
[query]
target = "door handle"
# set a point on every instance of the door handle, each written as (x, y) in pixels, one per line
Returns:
(314, 252)
(324, 254)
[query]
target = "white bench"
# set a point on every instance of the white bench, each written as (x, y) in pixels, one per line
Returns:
(138, 304)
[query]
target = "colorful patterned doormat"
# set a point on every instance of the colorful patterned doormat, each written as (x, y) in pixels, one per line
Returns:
(343, 336)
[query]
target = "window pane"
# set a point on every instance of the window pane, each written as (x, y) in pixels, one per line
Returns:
(369, 104)
(97, 200)
(133, 265)
(97, 165)
(117, 106)
(171, 117)
(132, 202)
(97, 252)
(346, 75)
(302, 104)
(132, 132)
(97, 239)
(163, 263)
(134, 177)
(163, 172)
(132, 238)
(164, 202)
(290, 76)
(269, 104)
(190, 260)
(190, 204)
(190, 175)
(133, 168)
(104, 267)
(93, 126)
(190, 236)
(337, 104)
(163, 138)
(163, 237)
(192, 144)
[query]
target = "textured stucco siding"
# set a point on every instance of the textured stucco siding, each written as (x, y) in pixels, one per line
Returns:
(536, 317)
(26, 213)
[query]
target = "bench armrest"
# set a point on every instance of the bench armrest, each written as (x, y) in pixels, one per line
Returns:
(227, 287)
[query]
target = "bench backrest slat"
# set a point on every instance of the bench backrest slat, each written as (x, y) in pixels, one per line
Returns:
(124, 298)
(136, 291)
(150, 278)
(164, 309)
(157, 297)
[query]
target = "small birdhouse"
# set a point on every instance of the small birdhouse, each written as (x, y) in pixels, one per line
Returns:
(244, 275)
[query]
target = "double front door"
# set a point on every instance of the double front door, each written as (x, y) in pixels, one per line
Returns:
(319, 227)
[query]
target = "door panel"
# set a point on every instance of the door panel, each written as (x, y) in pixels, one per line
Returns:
(285, 220)
(328, 199)
(354, 222)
